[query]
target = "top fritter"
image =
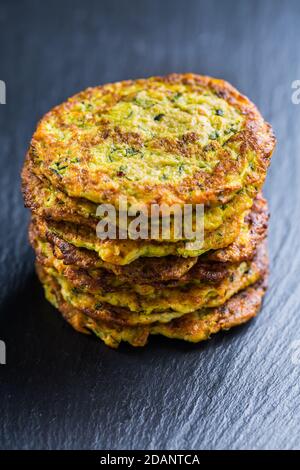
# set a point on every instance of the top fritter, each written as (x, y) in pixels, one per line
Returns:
(174, 139)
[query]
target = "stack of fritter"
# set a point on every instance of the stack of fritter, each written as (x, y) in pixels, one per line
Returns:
(179, 139)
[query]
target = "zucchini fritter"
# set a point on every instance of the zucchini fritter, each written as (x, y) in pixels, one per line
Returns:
(179, 139)
(182, 138)
(193, 327)
(48, 202)
(253, 231)
(123, 252)
(164, 304)
(149, 270)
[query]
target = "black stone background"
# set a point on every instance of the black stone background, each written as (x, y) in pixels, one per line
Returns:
(62, 390)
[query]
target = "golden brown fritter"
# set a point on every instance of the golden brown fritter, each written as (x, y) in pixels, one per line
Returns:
(179, 139)
(182, 138)
(123, 252)
(193, 327)
(48, 202)
(103, 279)
(131, 307)
(252, 233)
(149, 270)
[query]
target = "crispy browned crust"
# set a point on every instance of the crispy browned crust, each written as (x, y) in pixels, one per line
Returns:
(38, 191)
(193, 327)
(257, 220)
(255, 137)
(125, 251)
(143, 270)
(170, 268)
(123, 317)
(101, 279)
(236, 311)
(35, 192)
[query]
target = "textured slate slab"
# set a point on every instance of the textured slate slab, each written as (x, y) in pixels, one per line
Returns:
(60, 389)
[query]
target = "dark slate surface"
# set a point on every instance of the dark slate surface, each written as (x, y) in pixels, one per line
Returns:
(60, 389)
